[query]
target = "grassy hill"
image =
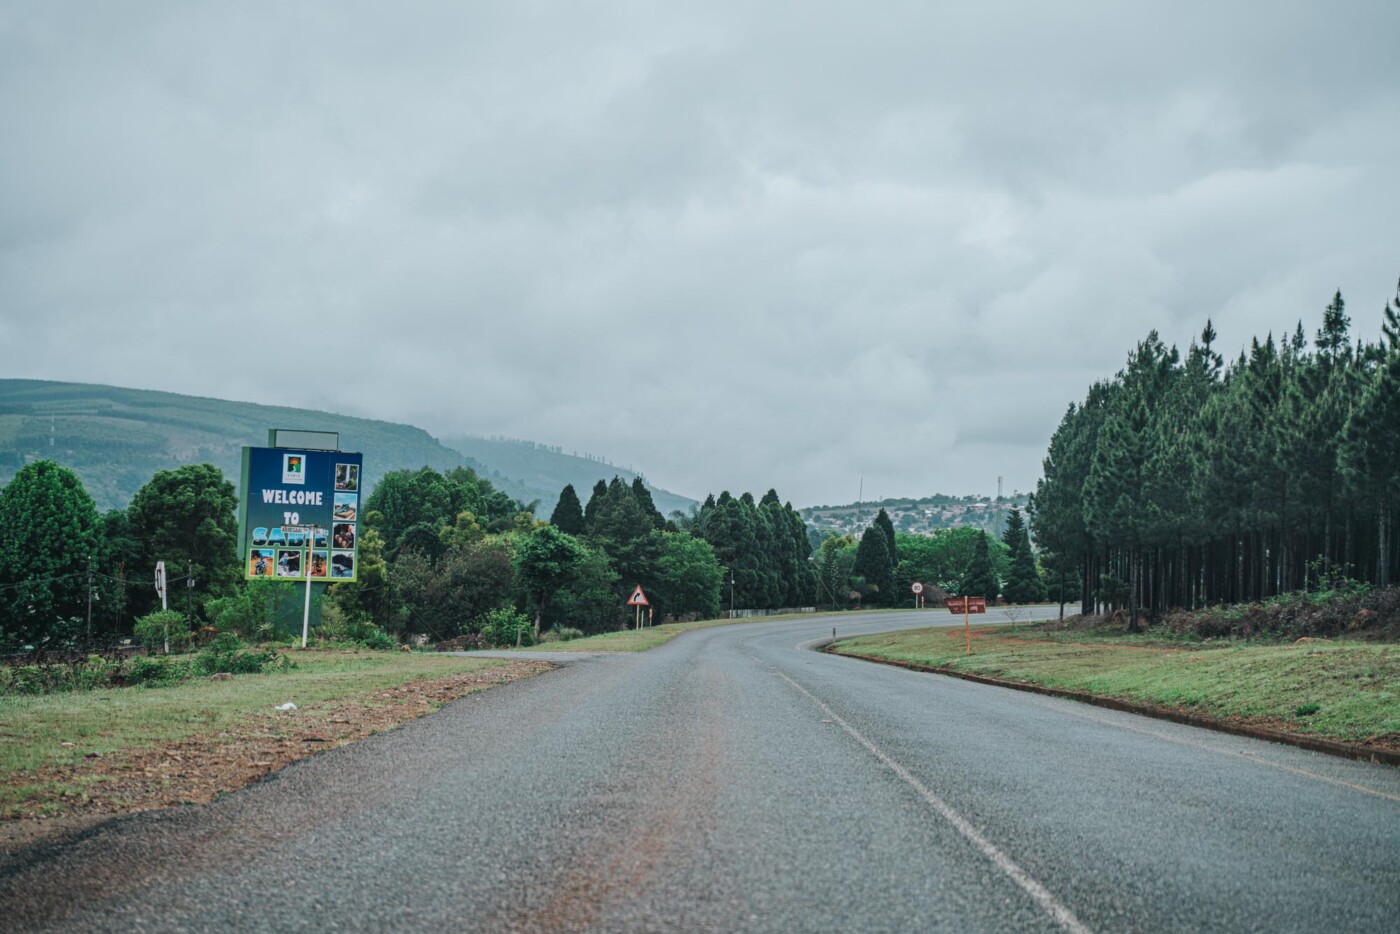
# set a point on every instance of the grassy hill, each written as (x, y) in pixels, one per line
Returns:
(550, 468)
(116, 439)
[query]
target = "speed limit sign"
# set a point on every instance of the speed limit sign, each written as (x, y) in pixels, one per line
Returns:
(916, 587)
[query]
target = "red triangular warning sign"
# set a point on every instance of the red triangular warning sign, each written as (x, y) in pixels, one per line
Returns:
(638, 598)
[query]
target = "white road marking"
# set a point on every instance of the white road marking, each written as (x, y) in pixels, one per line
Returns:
(1038, 893)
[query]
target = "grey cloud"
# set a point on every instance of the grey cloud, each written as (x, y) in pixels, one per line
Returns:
(736, 246)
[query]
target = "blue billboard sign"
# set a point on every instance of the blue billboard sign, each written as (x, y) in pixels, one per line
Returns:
(300, 514)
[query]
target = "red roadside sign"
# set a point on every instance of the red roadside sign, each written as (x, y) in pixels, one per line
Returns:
(966, 605)
(638, 598)
(916, 587)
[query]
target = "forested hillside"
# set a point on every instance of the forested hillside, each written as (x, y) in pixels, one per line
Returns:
(1185, 480)
(551, 468)
(116, 438)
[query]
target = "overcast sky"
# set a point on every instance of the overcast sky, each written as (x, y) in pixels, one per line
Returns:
(735, 246)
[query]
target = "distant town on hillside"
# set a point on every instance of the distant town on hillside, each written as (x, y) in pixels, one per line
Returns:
(917, 516)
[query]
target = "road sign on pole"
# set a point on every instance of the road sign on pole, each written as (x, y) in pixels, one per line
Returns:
(638, 598)
(967, 606)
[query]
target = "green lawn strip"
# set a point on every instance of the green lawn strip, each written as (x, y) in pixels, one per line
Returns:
(1346, 691)
(639, 640)
(33, 729)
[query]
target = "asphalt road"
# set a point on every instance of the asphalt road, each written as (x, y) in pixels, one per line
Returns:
(735, 780)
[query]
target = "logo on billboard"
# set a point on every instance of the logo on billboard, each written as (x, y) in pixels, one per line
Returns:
(294, 468)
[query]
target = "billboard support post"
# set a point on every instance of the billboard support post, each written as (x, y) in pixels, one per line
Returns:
(306, 608)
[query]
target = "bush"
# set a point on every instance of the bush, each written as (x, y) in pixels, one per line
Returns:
(252, 612)
(505, 627)
(151, 630)
(226, 655)
(338, 626)
(157, 671)
(84, 675)
(561, 634)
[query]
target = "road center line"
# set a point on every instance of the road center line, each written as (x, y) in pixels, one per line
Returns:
(1038, 893)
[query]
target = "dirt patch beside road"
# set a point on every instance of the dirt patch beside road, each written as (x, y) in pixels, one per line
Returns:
(197, 769)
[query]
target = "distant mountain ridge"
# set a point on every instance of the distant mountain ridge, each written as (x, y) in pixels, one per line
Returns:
(115, 439)
(548, 467)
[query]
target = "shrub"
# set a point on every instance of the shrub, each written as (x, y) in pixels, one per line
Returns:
(506, 627)
(251, 613)
(561, 634)
(157, 671)
(83, 675)
(337, 625)
(226, 654)
(151, 630)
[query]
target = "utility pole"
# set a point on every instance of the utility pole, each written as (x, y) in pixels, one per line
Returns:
(997, 530)
(89, 603)
(189, 593)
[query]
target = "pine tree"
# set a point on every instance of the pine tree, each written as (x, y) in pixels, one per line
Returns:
(590, 512)
(1023, 583)
(873, 563)
(568, 513)
(883, 523)
(980, 580)
(644, 502)
(1371, 453)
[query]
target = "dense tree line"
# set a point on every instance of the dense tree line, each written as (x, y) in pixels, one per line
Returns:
(69, 575)
(1184, 481)
(762, 545)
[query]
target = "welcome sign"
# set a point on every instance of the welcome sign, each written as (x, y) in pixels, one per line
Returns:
(299, 515)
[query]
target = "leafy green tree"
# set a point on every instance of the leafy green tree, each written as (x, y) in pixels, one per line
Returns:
(371, 597)
(835, 562)
(544, 560)
(187, 518)
(568, 513)
(980, 580)
(469, 581)
(49, 532)
(588, 598)
(685, 578)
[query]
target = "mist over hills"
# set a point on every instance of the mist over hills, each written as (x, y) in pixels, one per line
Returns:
(115, 439)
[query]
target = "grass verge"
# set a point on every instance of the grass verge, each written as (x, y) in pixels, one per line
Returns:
(1342, 691)
(51, 741)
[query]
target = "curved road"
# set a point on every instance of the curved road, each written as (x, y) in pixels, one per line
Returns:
(735, 780)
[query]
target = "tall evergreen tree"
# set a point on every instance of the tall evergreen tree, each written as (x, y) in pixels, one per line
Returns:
(1023, 583)
(886, 527)
(646, 504)
(568, 512)
(595, 501)
(980, 580)
(874, 564)
(1371, 454)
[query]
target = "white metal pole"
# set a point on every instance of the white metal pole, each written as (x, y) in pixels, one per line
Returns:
(306, 610)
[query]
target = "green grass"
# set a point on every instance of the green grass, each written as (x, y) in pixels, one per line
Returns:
(639, 640)
(1349, 691)
(33, 729)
